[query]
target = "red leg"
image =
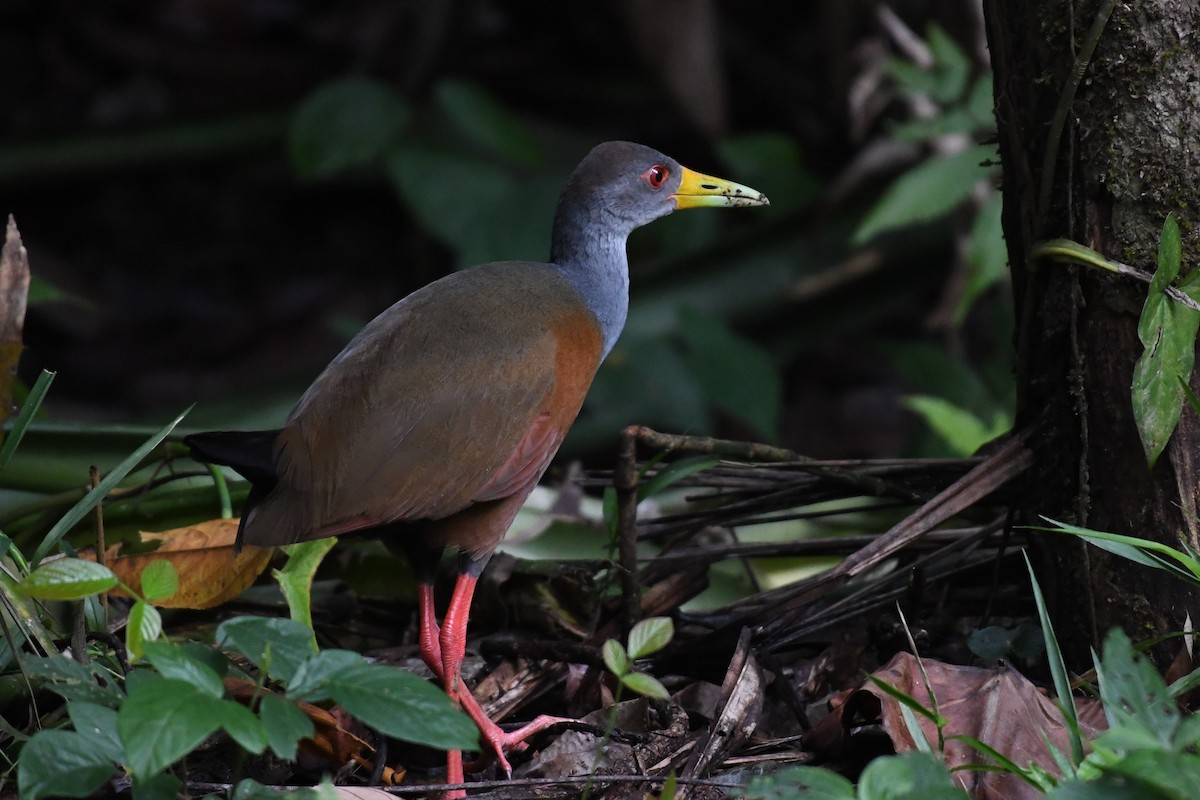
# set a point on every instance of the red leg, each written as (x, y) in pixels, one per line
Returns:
(442, 650)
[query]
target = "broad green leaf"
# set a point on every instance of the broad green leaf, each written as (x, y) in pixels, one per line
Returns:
(145, 625)
(57, 763)
(285, 723)
(646, 685)
(98, 725)
(67, 579)
(991, 642)
(296, 577)
(735, 374)
(1171, 774)
(615, 658)
(649, 636)
(486, 122)
(390, 700)
(159, 580)
(1167, 330)
(800, 783)
(96, 495)
(242, 726)
(163, 786)
(929, 190)
(952, 65)
(484, 211)
(162, 721)
(73, 681)
(1134, 694)
(961, 430)
(910, 776)
(288, 643)
(172, 662)
(987, 256)
(343, 125)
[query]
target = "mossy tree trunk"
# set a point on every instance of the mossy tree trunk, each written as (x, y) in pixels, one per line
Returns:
(1102, 165)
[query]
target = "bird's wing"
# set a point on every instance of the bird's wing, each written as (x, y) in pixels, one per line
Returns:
(451, 397)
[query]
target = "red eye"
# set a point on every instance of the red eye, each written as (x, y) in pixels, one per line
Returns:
(656, 176)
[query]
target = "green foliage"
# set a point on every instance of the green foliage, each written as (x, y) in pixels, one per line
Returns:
(344, 125)
(1167, 330)
(961, 430)
(646, 638)
(910, 776)
(1023, 643)
(67, 579)
(929, 190)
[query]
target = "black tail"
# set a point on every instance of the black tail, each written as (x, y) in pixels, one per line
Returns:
(251, 453)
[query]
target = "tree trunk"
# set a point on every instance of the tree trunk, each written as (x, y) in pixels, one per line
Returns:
(1102, 166)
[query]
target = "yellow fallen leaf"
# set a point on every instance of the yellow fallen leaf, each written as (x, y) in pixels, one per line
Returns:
(209, 571)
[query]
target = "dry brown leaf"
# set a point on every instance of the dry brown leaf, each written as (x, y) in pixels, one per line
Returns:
(209, 571)
(998, 707)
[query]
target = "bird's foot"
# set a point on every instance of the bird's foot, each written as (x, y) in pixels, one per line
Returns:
(497, 741)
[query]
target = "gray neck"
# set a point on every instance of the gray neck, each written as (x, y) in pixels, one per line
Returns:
(592, 258)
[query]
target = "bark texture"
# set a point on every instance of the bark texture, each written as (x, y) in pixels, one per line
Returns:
(1102, 165)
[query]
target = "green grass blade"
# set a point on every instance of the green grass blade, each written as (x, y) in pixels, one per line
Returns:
(1058, 668)
(93, 498)
(1191, 564)
(28, 409)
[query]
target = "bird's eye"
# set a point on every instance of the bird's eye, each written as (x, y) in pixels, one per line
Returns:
(656, 176)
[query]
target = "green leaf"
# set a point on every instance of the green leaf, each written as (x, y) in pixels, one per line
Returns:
(242, 726)
(961, 430)
(73, 681)
(343, 125)
(390, 700)
(62, 764)
(952, 66)
(1058, 668)
(1172, 774)
(929, 190)
(145, 625)
(800, 783)
(649, 636)
(67, 579)
(96, 495)
(296, 577)
(615, 658)
(285, 723)
(483, 210)
(288, 642)
(735, 374)
(673, 473)
(163, 786)
(1142, 551)
(991, 642)
(1167, 331)
(478, 114)
(25, 416)
(1134, 694)
(98, 725)
(907, 701)
(162, 721)
(159, 580)
(987, 256)
(646, 685)
(172, 662)
(910, 776)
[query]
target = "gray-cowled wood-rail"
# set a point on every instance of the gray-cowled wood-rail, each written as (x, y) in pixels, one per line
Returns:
(436, 421)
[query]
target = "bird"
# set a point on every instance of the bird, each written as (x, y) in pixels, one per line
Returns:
(437, 420)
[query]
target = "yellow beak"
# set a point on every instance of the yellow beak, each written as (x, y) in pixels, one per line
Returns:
(697, 190)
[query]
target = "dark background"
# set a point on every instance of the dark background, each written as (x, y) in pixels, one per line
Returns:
(143, 152)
